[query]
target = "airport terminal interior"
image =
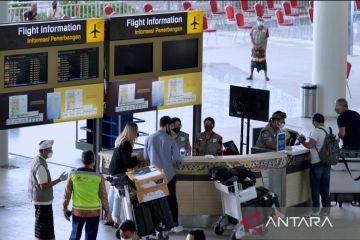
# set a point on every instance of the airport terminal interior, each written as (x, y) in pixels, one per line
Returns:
(312, 58)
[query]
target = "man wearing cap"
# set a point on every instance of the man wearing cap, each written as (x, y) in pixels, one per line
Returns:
(55, 12)
(41, 191)
(268, 135)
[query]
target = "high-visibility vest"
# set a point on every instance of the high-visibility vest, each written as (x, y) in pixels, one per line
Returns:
(86, 188)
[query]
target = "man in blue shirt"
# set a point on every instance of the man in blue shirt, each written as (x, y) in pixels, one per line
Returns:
(162, 151)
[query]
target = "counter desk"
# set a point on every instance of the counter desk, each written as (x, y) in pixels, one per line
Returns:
(286, 174)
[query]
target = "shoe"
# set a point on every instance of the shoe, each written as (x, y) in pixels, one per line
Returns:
(109, 223)
(324, 213)
(267, 78)
(116, 225)
(312, 214)
(249, 78)
(177, 229)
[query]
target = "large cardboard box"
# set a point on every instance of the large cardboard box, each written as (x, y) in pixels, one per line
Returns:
(152, 193)
(147, 178)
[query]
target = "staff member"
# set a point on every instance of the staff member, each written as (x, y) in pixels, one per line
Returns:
(41, 191)
(208, 142)
(181, 138)
(89, 193)
(161, 150)
(349, 125)
(268, 135)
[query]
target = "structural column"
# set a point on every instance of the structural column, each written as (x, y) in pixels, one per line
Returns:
(3, 133)
(330, 39)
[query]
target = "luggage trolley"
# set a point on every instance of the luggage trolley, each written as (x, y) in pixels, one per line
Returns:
(231, 198)
(128, 192)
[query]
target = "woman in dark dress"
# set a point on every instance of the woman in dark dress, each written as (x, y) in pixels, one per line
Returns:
(121, 161)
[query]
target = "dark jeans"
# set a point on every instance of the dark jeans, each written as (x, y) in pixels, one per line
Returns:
(91, 227)
(172, 200)
(320, 181)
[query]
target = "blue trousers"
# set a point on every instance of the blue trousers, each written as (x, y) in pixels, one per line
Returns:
(91, 227)
(320, 185)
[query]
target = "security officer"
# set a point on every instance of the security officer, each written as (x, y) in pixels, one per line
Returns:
(181, 138)
(89, 193)
(268, 135)
(208, 142)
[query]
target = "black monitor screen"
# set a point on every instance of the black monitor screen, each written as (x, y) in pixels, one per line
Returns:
(249, 102)
(180, 54)
(78, 64)
(25, 69)
(133, 59)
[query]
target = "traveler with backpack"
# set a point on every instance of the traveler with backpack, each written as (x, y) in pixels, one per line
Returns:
(320, 143)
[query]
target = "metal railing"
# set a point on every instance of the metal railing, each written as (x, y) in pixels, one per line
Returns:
(89, 9)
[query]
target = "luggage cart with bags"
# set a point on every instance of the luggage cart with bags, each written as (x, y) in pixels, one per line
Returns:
(153, 218)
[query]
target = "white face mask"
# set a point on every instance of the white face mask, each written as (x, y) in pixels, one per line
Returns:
(282, 125)
(260, 23)
(49, 154)
(126, 238)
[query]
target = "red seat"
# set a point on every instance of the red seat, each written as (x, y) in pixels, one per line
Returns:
(348, 69)
(148, 8)
(311, 14)
(108, 10)
(245, 6)
(270, 5)
(357, 5)
(287, 10)
(259, 10)
(206, 27)
(186, 5)
(230, 13)
(294, 4)
(240, 22)
(280, 19)
(312, 4)
(214, 8)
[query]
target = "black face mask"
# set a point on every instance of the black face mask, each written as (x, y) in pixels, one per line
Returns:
(137, 134)
(176, 130)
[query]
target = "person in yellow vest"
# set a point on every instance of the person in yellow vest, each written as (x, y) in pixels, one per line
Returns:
(88, 191)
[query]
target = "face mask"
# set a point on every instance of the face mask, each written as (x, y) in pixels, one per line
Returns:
(260, 23)
(176, 130)
(49, 154)
(208, 128)
(126, 238)
(337, 111)
(137, 135)
(282, 125)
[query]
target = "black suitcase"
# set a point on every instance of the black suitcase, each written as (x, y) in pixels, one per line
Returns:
(248, 210)
(161, 214)
(266, 198)
(143, 219)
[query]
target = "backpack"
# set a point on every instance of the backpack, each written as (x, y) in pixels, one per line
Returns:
(329, 153)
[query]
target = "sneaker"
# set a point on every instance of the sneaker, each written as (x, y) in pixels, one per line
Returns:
(324, 213)
(312, 214)
(177, 229)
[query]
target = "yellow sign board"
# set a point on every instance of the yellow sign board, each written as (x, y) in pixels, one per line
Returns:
(194, 22)
(181, 90)
(80, 102)
(95, 29)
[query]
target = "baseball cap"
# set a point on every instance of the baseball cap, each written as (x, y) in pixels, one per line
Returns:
(45, 144)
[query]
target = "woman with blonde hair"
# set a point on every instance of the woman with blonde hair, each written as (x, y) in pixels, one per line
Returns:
(121, 161)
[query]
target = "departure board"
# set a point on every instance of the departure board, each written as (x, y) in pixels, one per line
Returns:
(79, 64)
(25, 69)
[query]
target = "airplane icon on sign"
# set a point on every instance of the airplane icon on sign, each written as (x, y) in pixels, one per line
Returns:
(95, 31)
(194, 24)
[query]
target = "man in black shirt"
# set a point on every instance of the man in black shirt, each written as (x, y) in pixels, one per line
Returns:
(349, 125)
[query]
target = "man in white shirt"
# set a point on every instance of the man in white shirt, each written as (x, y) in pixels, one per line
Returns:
(55, 12)
(319, 172)
(41, 191)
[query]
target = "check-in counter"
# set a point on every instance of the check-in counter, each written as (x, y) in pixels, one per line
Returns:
(286, 174)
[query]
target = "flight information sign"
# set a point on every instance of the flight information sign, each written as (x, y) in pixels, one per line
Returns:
(25, 69)
(78, 64)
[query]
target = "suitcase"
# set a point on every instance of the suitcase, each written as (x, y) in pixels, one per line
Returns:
(143, 219)
(249, 209)
(161, 214)
(266, 198)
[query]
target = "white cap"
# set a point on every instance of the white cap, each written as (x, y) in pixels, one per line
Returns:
(46, 144)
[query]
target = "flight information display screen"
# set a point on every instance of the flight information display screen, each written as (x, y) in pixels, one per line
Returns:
(25, 69)
(78, 64)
